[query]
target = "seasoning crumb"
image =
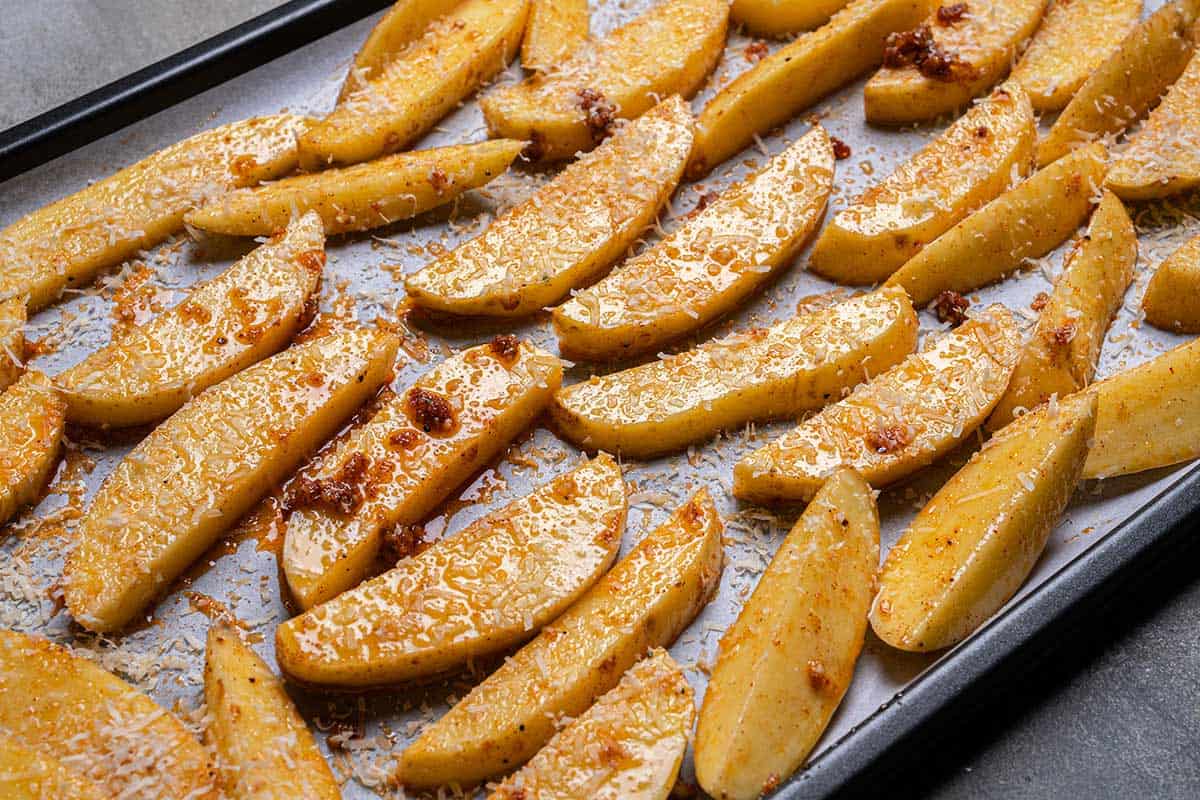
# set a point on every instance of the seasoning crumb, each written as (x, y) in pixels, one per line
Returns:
(841, 150)
(951, 307)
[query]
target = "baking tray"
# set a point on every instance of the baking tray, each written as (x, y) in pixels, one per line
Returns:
(900, 706)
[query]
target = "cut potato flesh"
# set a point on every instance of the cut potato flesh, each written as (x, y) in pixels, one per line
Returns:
(556, 28)
(411, 91)
(794, 366)
(64, 245)
(27, 774)
(708, 266)
(783, 17)
(266, 751)
(32, 415)
(410, 456)
(12, 340)
(645, 601)
(798, 75)
(1025, 222)
(970, 164)
(245, 314)
(667, 51)
(973, 545)
(482, 591)
(1061, 356)
(363, 196)
(110, 733)
(200, 470)
(1172, 300)
(628, 746)
(786, 662)
(403, 24)
(571, 230)
(897, 423)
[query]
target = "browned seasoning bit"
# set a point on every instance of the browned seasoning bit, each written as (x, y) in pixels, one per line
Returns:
(755, 51)
(1040, 301)
(402, 541)
(430, 411)
(438, 180)
(841, 150)
(951, 307)
(887, 439)
(1063, 334)
(342, 492)
(948, 15)
(599, 114)
(505, 347)
(535, 149)
(917, 48)
(817, 676)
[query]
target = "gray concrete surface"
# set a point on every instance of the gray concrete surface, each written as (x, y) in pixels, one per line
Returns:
(1121, 718)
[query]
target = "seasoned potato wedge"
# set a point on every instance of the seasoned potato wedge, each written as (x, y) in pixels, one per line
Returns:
(245, 314)
(784, 665)
(1172, 300)
(667, 51)
(28, 774)
(1060, 357)
(897, 423)
(264, 748)
(64, 245)
(556, 28)
(482, 591)
(418, 86)
(363, 196)
(1027, 221)
(54, 701)
(794, 366)
(413, 452)
(32, 415)
(782, 17)
(571, 230)
(645, 719)
(796, 76)
(645, 601)
(973, 545)
(12, 340)
(968, 165)
(709, 265)
(1071, 44)
(1127, 84)
(403, 24)
(199, 471)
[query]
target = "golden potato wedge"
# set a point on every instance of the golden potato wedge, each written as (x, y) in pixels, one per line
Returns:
(961, 58)
(1060, 358)
(645, 601)
(403, 24)
(796, 76)
(786, 662)
(967, 166)
(570, 231)
(199, 471)
(645, 720)
(482, 591)
(12, 340)
(363, 196)
(110, 733)
(794, 366)
(667, 51)
(901, 421)
(709, 265)
(1126, 85)
(556, 28)
(973, 545)
(417, 449)
(1027, 221)
(64, 245)
(414, 89)
(28, 774)
(264, 748)
(32, 416)
(1071, 44)
(1172, 299)
(783, 17)
(240, 317)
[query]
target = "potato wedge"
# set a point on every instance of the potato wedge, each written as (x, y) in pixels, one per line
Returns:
(794, 366)
(786, 662)
(110, 733)
(64, 245)
(363, 196)
(1027, 221)
(27, 774)
(417, 449)
(645, 601)
(645, 720)
(12, 341)
(264, 748)
(973, 545)
(901, 421)
(968, 165)
(411, 91)
(570, 231)
(796, 76)
(1060, 357)
(556, 28)
(403, 24)
(482, 591)
(1126, 85)
(199, 471)
(783, 17)
(667, 51)
(1172, 299)
(1073, 41)
(709, 265)
(32, 416)
(240, 317)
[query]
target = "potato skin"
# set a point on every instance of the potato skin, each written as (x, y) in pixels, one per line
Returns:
(783, 17)
(32, 420)
(1172, 299)
(403, 24)
(556, 28)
